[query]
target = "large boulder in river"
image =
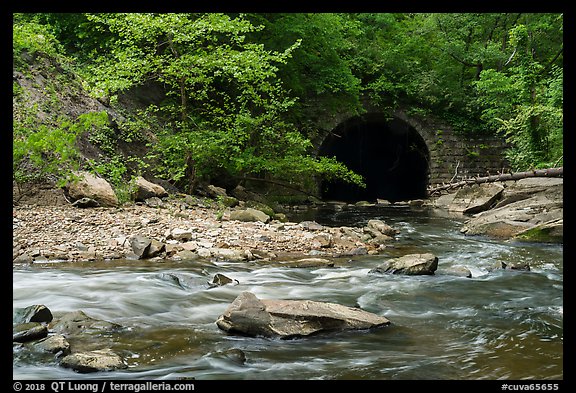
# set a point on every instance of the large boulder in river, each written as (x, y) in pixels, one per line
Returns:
(248, 315)
(411, 264)
(529, 209)
(86, 185)
(521, 189)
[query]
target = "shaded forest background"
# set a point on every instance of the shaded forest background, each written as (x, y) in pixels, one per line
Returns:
(227, 97)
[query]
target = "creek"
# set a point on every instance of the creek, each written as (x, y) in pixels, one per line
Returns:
(498, 324)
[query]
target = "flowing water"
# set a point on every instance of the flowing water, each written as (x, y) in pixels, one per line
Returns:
(498, 324)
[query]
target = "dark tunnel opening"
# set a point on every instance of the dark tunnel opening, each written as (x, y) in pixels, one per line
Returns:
(388, 152)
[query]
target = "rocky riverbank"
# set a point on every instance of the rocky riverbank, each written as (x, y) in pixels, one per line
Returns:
(530, 209)
(177, 229)
(186, 227)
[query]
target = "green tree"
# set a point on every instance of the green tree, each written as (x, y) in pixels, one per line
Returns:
(490, 72)
(523, 100)
(32, 37)
(318, 70)
(226, 107)
(40, 149)
(245, 92)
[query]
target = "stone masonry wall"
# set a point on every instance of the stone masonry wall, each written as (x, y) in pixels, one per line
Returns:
(452, 156)
(455, 157)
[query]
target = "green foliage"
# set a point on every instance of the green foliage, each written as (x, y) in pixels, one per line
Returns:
(472, 153)
(130, 128)
(32, 37)
(48, 150)
(170, 153)
(115, 171)
(318, 68)
(245, 93)
(335, 170)
(224, 89)
(97, 126)
(440, 140)
(524, 102)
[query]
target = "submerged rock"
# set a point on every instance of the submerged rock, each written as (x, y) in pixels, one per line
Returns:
(77, 322)
(220, 279)
(93, 361)
(183, 280)
(29, 332)
(234, 356)
(56, 344)
(248, 315)
(457, 270)
(34, 313)
(516, 265)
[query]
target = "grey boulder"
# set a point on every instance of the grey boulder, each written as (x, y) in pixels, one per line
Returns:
(250, 316)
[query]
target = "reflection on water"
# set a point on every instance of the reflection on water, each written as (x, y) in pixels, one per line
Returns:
(499, 324)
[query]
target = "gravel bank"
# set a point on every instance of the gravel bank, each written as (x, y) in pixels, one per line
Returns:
(45, 233)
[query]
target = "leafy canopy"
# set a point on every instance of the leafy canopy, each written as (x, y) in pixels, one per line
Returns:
(226, 104)
(246, 93)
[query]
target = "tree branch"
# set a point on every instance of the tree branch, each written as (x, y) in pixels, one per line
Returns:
(549, 172)
(553, 60)
(278, 183)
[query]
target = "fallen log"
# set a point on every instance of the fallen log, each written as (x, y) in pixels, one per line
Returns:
(548, 172)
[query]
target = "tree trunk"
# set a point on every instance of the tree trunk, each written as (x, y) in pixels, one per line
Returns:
(191, 174)
(549, 172)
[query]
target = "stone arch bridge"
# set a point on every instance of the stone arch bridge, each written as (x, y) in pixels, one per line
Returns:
(401, 155)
